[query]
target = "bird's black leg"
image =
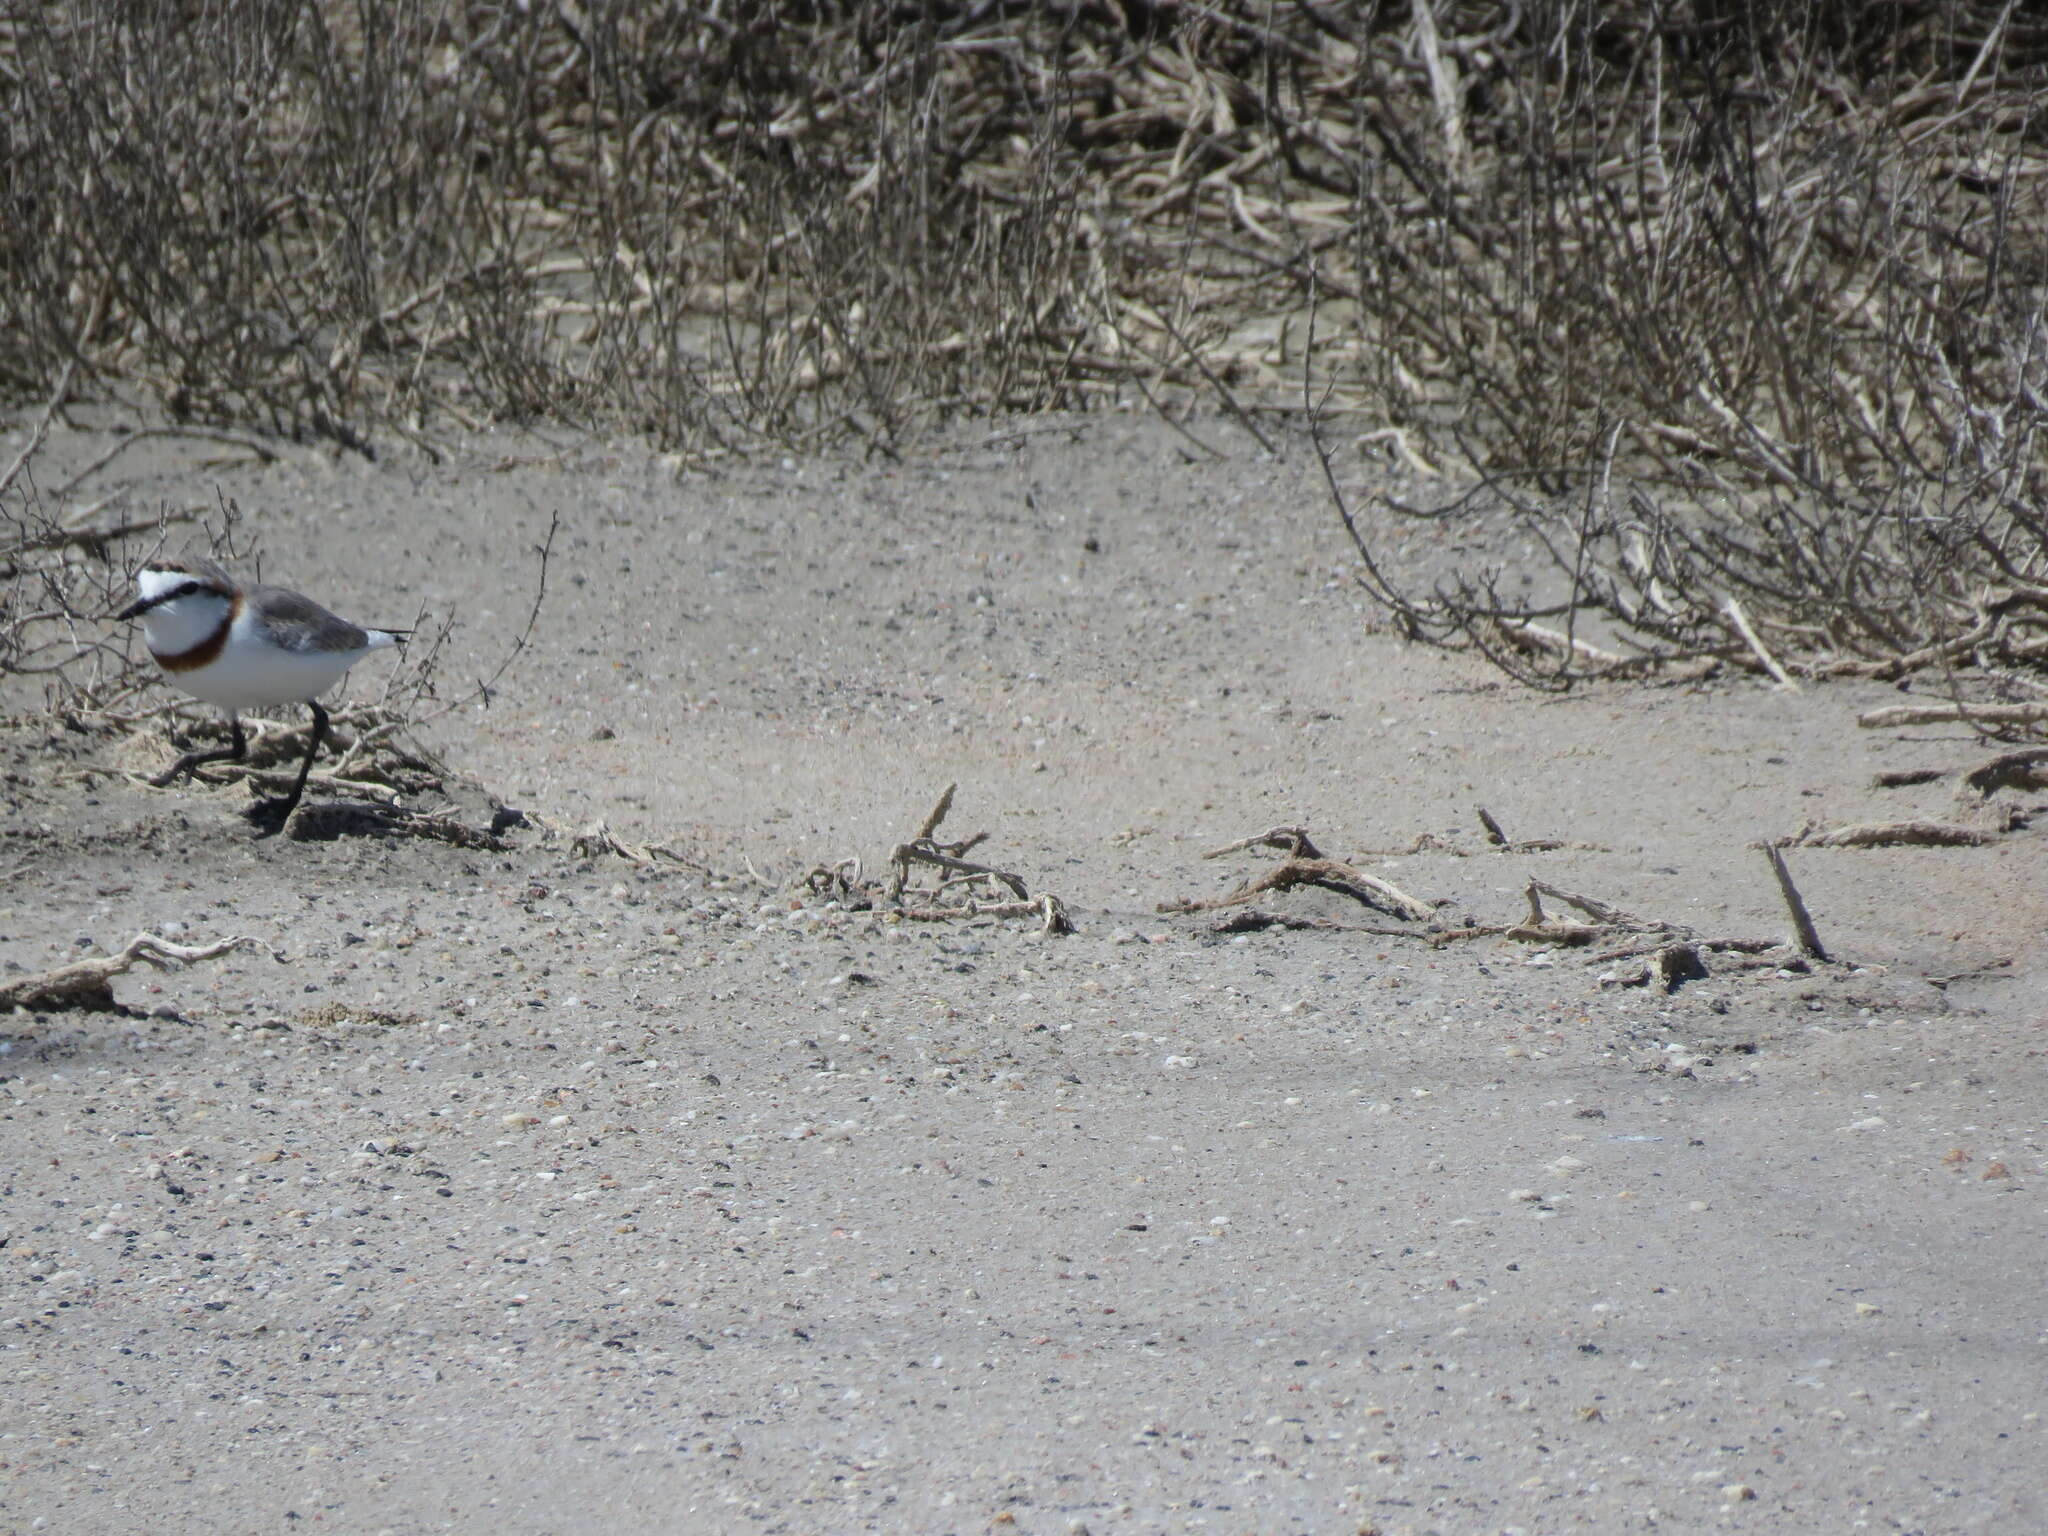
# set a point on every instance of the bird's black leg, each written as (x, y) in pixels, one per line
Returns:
(282, 809)
(233, 752)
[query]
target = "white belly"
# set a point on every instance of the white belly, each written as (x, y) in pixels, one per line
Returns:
(250, 674)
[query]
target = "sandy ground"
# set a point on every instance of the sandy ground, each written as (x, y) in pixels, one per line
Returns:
(530, 1193)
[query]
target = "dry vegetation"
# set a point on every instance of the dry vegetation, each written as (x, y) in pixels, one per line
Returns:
(1736, 308)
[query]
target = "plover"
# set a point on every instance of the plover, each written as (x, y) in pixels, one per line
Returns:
(245, 646)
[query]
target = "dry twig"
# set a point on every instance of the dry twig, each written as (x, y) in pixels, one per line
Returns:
(1048, 909)
(965, 888)
(1601, 912)
(924, 848)
(1892, 716)
(87, 984)
(1795, 904)
(1750, 638)
(1893, 834)
(1499, 842)
(1256, 920)
(2027, 770)
(1292, 841)
(599, 841)
(1306, 866)
(1905, 778)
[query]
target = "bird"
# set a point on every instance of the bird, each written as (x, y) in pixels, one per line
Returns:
(245, 645)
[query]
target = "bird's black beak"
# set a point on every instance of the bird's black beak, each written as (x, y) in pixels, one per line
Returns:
(133, 611)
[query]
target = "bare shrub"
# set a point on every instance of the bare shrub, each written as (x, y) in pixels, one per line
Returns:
(1738, 309)
(59, 583)
(328, 218)
(1742, 316)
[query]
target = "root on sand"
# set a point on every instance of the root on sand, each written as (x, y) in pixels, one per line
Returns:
(87, 984)
(1306, 864)
(961, 888)
(1667, 953)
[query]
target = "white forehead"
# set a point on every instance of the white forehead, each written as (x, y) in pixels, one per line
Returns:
(151, 583)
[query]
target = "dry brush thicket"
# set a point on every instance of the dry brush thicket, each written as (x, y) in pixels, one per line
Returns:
(1736, 307)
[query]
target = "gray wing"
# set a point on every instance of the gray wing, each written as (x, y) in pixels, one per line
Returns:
(297, 623)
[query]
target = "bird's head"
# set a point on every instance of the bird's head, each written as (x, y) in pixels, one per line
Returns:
(181, 602)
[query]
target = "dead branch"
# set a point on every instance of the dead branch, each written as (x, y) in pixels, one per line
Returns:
(1905, 778)
(599, 841)
(1444, 90)
(55, 537)
(1750, 638)
(1535, 638)
(930, 825)
(951, 897)
(1893, 834)
(1893, 716)
(482, 693)
(1600, 911)
(1802, 920)
(1671, 966)
(907, 854)
(1779, 957)
(1555, 930)
(1257, 920)
(923, 848)
(2026, 770)
(1439, 937)
(1499, 842)
(1306, 865)
(41, 430)
(1328, 874)
(278, 780)
(1051, 911)
(314, 823)
(87, 984)
(1705, 946)
(1293, 841)
(1675, 953)
(840, 880)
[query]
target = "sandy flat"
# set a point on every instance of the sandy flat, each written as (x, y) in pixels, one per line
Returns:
(528, 1192)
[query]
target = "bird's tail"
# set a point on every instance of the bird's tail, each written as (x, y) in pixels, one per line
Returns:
(379, 638)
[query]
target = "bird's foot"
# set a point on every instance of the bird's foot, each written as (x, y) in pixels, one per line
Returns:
(270, 815)
(188, 767)
(183, 768)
